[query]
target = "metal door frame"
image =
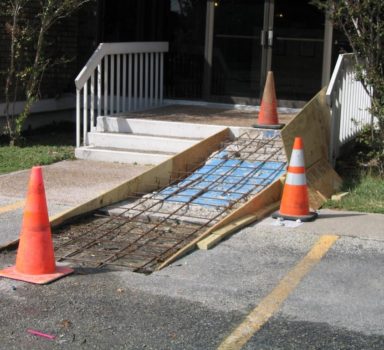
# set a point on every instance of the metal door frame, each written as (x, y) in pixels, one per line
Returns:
(265, 45)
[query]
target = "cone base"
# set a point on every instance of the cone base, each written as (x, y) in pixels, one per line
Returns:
(12, 273)
(267, 126)
(304, 218)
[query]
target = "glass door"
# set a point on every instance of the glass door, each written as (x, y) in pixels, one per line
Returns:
(238, 44)
(297, 49)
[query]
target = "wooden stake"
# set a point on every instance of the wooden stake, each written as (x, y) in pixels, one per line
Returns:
(226, 231)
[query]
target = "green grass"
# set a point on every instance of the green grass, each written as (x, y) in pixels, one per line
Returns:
(366, 194)
(43, 146)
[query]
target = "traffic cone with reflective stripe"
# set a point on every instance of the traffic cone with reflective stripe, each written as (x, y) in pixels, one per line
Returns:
(294, 202)
(268, 118)
(35, 260)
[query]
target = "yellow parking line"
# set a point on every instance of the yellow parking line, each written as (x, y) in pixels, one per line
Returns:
(11, 207)
(272, 302)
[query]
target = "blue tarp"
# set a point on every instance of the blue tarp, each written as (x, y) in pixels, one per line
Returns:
(220, 182)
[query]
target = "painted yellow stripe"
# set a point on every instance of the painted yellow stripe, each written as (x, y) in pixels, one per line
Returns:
(11, 207)
(272, 302)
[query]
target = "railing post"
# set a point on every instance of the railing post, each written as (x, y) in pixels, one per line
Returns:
(129, 82)
(113, 79)
(146, 100)
(141, 81)
(118, 77)
(152, 76)
(124, 83)
(98, 90)
(112, 85)
(78, 116)
(85, 114)
(157, 79)
(161, 78)
(92, 107)
(135, 83)
(106, 85)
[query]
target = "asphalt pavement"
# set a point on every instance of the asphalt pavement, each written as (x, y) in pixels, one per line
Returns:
(318, 285)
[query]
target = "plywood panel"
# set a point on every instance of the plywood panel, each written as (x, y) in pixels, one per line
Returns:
(323, 181)
(313, 125)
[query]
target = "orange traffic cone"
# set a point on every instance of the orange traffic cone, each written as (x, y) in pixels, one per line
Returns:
(268, 118)
(35, 260)
(294, 202)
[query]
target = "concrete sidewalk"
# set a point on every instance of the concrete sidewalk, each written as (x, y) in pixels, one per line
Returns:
(67, 184)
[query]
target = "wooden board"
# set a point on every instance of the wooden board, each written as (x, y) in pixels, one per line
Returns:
(159, 175)
(313, 125)
(323, 182)
(269, 195)
(215, 237)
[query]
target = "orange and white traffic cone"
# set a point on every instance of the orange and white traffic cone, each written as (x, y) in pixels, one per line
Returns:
(294, 202)
(35, 260)
(268, 118)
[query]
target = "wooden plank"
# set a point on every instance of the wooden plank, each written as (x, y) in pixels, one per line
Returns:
(158, 175)
(313, 125)
(269, 195)
(215, 237)
(323, 182)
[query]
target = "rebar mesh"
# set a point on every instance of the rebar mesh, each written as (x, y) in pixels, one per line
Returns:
(143, 231)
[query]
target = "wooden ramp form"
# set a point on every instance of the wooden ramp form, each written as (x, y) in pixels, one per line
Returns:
(159, 221)
(196, 197)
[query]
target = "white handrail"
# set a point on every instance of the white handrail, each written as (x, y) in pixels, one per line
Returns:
(350, 104)
(114, 49)
(115, 74)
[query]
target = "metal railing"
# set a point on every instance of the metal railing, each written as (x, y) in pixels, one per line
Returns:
(119, 78)
(350, 105)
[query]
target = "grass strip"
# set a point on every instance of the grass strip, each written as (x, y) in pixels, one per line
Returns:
(19, 158)
(42, 146)
(366, 194)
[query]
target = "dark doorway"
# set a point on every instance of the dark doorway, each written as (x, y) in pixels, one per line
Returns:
(185, 64)
(237, 50)
(297, 53)
(246, 39)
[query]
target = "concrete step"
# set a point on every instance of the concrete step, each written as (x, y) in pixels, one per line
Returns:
(136, 142)
(128, 140)
(156, 127)
(122, 155)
